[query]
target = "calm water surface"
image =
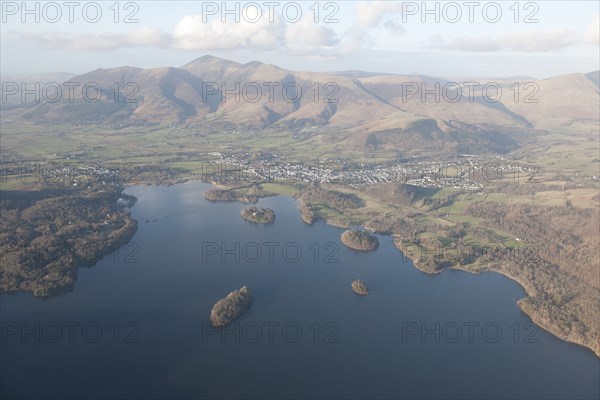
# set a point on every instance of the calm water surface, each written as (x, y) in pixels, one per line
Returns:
(136, 324)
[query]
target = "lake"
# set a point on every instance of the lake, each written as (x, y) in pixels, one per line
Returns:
(136, 324)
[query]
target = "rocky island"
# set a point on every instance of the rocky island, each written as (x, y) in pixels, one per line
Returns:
(231, 307)
(258, 215)
(359, 287)
(359, 240)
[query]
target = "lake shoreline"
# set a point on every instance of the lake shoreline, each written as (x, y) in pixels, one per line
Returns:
(535, 318)
(538, 320)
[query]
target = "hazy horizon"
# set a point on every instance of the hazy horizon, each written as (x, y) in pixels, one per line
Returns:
(457, 77)
(441, 39)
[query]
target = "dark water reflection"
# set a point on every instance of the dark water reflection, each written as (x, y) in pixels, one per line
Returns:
(306, 335)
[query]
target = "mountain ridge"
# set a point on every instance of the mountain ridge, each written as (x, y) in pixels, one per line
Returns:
(218, 94)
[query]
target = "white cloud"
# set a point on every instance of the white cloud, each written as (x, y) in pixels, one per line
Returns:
(375, 23)
(370, 15)
(592, 33)
(553, 39)
(307, 38)
(191, 33)
(148, 37)
(371, 19)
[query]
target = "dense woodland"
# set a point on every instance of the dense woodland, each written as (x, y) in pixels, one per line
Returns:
(565, 236)
(359, 240)
(231, 307)
(557, 263)
(45, 236)
(316, 196)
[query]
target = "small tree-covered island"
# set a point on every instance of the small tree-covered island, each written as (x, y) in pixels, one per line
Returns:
(359, 287)
(360, 240)
(258, 215)
(231, 307)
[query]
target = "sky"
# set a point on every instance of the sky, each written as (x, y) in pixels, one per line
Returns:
(438, 38)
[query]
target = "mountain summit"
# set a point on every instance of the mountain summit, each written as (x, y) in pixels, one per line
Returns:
(217, 93)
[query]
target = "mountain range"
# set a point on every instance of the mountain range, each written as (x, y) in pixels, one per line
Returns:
(216, 93)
